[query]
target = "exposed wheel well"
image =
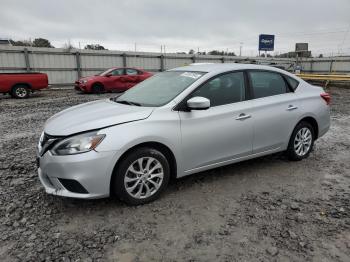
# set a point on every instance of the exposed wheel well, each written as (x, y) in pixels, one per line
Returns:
(97, 84)
(155, 145)
(21, 84)
(312, 121)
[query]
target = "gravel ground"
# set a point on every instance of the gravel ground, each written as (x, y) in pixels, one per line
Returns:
(267, 209)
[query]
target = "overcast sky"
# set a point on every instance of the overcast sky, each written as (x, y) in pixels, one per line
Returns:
(182, 24)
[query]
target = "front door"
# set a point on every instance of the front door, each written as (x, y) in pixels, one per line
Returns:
(115, 80)
(224, 131)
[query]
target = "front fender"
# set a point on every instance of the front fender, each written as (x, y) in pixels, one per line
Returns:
(125, 136)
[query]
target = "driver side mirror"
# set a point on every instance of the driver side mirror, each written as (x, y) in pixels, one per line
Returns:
(198, 103)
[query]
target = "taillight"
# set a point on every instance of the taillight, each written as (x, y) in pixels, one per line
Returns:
(326, 97)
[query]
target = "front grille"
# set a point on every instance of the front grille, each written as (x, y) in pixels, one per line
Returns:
(73, 186)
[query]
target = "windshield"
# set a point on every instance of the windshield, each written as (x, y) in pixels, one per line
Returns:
(159, 89)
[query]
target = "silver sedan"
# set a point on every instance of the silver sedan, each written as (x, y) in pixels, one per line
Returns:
(177, 123)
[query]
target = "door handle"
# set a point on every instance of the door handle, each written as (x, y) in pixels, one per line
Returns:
(291, 107)
(243, 116)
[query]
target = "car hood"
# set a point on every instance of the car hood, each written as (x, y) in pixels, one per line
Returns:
(93, 115)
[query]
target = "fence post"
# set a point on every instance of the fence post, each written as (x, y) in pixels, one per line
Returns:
(26, 58)
(162, 67)
(124, 60)
(78, 63)
(331, 66)
(311, 65)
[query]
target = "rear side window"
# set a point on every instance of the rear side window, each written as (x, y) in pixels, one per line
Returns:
(292, 82)
(267, 84)
(224, 89)
(131, 72)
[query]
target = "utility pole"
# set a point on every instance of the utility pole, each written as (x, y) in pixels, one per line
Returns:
(240, 48)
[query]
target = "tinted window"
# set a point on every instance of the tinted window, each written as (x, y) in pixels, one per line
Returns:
(117, 72)
(131, 72)
(224, 89)
(267, 83)
(292, 82)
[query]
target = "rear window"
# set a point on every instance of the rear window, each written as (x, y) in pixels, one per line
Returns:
(292, 82)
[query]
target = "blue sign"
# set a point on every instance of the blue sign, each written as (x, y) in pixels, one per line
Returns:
(266, 42)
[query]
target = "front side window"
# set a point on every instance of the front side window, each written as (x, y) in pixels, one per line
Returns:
(117, 72)
(159, 89)
(267, 84)
(224, 89)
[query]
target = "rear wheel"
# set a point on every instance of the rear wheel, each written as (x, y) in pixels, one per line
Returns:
(97, 88)
(301, 141)
(141, 176)
(20, 91)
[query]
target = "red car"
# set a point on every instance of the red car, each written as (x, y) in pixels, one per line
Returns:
(19, 85)
(114, 79)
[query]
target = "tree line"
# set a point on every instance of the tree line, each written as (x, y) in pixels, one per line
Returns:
(42, 42)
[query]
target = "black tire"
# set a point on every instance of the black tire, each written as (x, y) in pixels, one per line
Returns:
(118, 186)
(291, 152)
(20, 91)
(97, 88)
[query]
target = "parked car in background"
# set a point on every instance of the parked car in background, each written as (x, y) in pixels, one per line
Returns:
(112, 80)
(20, 85)
(176, 123)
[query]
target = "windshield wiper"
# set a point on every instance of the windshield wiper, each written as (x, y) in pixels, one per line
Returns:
(127, 102)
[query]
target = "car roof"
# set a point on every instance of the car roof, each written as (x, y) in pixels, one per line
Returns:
(224, 67)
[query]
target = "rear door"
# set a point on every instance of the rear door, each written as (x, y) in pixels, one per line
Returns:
(276, 110)
(132, 77)
(224, 131)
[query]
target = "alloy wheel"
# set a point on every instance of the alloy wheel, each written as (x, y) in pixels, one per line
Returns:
(303, 141)
(144, 177)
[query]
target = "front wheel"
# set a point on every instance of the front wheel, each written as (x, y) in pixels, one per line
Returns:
(301, 141)
(20, 91)
(97, 88)
(141, 176)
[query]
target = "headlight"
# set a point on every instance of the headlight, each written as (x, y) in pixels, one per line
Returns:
(84, 81)
(78, 144)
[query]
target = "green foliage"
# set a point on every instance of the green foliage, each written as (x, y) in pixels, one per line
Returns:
(95, 47)
(216, 52)
(38, 42)
(191, 52)
(42, 42)
(21, 43)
